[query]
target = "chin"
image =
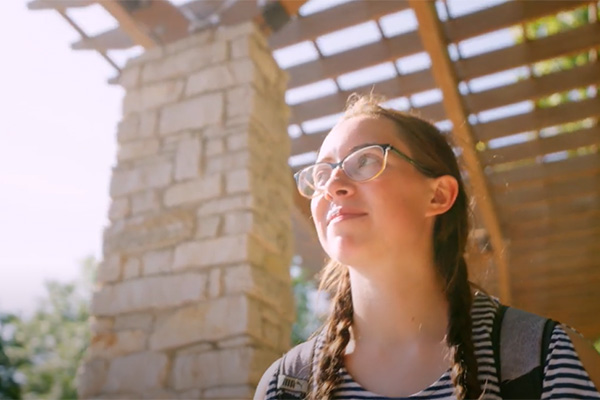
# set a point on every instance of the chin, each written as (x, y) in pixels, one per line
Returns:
(346, 249)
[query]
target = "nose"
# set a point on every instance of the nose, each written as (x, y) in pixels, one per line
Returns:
(338, 185)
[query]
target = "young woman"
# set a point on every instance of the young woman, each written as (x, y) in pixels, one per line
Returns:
(391, 212)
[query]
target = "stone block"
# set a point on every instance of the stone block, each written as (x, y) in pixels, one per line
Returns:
(244, 29)
(208, 227)
(145, 201)
(109, 269)
(137, 373)
(238, 222)
(132, 268)
(158, 262)
(237, 181)
(195, 113)
(149, 176)
(212, 252)
(91, 376)
(149, 293)
(101, 325)
(229, 392)
(110, 345)
(128, 128)
(207, 321)
(227, 162)
(150, 232)
(197, 190)
(148, 123)
(129, 78)
(183, 63)
(215, 284)
(214, 147)
(187, 159)
(219, 368)
(137, 149)
(134, 321)
(239, 101)
(119, 209)
(210, 79)
(227, 204)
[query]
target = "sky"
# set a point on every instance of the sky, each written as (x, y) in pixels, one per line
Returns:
(58, 132)
(57, 147)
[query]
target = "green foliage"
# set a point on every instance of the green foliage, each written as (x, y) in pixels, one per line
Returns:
(597, 345)
(9, 387)
(54, 338)
(308, 318)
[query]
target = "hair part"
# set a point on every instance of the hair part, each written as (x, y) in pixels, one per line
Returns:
(430, 148)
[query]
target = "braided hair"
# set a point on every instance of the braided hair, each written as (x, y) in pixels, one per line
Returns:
(429, 146)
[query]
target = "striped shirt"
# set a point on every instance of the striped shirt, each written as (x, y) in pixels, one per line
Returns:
(564, 375)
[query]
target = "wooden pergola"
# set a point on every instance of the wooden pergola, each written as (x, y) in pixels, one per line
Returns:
(537, 213)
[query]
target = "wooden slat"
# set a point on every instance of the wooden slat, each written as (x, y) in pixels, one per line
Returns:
(436, 45)
(504, 15)
(58, 4)
(551, 282)
(539, 118)
(138, 34)
(533, 228)
(539, 147)
(558, 256)
(523, 176)
(361, 57)
(574, 297)
(392, 88)
(535, 245)
(521, 252)
(574, 206)
(406, 85)
(552, 238)
(534, 88)
(562, 44)
(333, 19)
(408, 44)
(541, 192)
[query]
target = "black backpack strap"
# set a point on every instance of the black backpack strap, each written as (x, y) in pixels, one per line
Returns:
(294, 372)
(521, 343)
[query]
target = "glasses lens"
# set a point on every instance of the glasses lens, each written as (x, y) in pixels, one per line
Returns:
(365, 163)
(312, 178)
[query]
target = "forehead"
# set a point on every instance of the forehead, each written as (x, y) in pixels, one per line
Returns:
(357, 131)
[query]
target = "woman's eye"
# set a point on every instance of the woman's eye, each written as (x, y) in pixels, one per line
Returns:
(365, 160)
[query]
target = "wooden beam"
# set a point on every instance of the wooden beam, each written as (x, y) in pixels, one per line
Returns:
(527, 225)
(436, 45)
(138, 34)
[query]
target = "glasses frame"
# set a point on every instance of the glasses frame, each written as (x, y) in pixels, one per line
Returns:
(384, 147)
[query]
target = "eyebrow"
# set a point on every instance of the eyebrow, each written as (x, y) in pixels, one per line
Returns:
(352, 150)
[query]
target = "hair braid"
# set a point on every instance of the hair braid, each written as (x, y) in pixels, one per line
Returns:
(337, 333)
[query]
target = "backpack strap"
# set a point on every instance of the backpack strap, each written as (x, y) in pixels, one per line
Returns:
(294, 372)
(521, 343)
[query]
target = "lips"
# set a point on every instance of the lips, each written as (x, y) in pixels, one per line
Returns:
(342, 213)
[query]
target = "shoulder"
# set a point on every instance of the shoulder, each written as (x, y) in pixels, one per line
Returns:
(573, 361)
(268, 381)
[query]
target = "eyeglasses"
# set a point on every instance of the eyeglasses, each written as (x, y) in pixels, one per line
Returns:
(362, 165)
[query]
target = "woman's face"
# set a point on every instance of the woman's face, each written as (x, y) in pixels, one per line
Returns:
(358, 222)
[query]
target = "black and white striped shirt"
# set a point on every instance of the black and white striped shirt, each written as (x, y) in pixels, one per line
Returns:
(564, 375)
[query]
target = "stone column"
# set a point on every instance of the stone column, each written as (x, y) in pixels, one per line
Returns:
(194, 296)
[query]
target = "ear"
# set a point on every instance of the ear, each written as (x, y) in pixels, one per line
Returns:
(443, 194)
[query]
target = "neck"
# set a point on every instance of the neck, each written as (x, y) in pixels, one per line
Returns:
(395, 308)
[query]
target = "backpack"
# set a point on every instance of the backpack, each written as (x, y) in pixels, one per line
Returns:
(519, 358)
